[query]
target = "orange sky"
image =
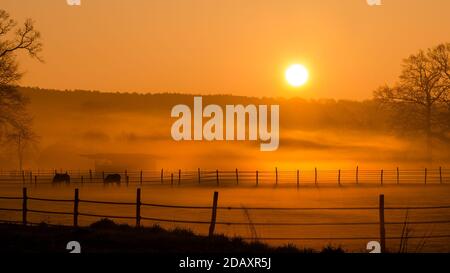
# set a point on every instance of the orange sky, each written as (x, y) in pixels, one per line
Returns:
(239, 47)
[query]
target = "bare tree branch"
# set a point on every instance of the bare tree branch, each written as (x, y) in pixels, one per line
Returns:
(27, 39)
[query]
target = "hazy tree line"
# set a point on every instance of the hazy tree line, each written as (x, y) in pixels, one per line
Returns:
(296, 113)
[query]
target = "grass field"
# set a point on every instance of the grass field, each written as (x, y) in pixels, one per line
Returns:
(105, 236)
(261, 225)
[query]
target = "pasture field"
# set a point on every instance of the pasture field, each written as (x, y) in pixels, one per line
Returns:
(309, 216)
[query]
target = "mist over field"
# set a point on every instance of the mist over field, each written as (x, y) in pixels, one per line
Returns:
(107, 131)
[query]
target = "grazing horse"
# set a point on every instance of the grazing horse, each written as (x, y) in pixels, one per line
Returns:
(112, 178)
(61, 177)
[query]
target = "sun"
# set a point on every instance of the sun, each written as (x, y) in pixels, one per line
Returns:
(297, 75)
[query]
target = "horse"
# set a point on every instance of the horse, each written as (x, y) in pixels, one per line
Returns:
(112, 178)
(61, 177)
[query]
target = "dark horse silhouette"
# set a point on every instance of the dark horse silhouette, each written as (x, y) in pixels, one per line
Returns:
(112, 178)
(61, 177)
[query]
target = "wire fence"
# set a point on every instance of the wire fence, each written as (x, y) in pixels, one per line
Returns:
(231, 177)
(379, 222)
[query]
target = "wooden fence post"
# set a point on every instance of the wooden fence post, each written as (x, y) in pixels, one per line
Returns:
(81, 178)
(276, 175)
(298, 178)
(138, 207)
(23, 177)
(24, 206)
(382, 228)
(315, 176)
(171, 179)
(257, 178)
(35, 179)
(237, 177)
(140, 178)
(217, 177)
(381, 177)
(214, 214)
(440, 175)
(179, 176)
(426, 172)
(75, 208)
(357, 174)
(198, 175)
(90, 175)
(162, 176)
(398, 176)
(339, 177)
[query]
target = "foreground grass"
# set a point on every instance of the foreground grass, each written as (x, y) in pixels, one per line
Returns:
(105, 236)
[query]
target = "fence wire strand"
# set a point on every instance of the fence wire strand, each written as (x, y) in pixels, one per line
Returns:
(235, 223)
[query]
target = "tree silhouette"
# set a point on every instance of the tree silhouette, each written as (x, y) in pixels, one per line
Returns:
(15, 124)
(420, 101)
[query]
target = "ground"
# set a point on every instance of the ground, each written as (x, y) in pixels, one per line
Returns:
(106, 236)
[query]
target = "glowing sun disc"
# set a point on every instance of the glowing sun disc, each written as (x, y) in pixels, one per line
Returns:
(297, 75)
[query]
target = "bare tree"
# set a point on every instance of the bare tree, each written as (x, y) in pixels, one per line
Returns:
(23, 138)
(420, 100)
(15, 124)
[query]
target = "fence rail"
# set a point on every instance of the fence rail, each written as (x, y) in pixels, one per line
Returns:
(238, 177)
(381, 223)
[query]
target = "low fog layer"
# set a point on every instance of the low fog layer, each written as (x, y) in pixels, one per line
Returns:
(84, 129)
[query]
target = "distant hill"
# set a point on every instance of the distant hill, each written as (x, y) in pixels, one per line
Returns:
(295, 112)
